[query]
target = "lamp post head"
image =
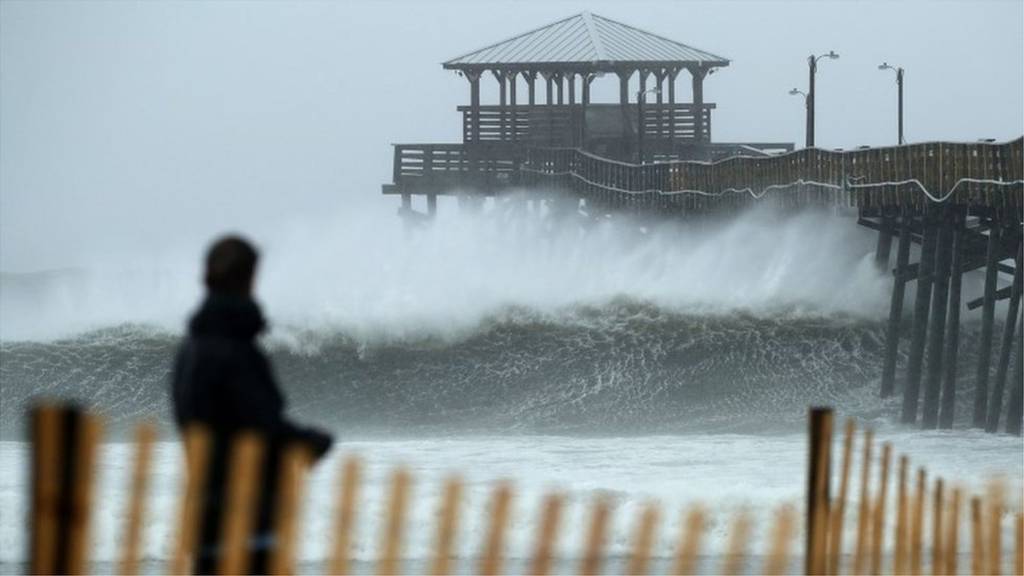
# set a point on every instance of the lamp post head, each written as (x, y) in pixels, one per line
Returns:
(832, 54)
(794, 92)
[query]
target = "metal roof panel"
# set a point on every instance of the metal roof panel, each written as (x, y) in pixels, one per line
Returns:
(584, 39)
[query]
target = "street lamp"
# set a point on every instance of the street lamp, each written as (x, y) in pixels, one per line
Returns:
(899, 84)
(640, 97)
(812, 65)
(795, 92)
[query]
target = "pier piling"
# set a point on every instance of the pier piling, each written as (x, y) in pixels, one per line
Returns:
(946, 410)
(987, 316)
(912, 389)
(1014, 410)
(899, 284)
(995, 405)
(940, 299)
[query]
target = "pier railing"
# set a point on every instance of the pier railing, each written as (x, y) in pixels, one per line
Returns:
(65, 451)
(981, 174)
(565, 125)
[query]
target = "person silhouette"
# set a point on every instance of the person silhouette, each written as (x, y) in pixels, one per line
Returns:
(222, 380)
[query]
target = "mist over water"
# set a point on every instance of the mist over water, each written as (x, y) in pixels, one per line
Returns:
(367, 275)
(510, 318)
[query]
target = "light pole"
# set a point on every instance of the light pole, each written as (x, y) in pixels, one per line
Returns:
(807, 103)
(899, 85)
(640, 96)
(812, 65)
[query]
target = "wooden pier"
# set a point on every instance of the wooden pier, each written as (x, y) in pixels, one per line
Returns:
(960, 202)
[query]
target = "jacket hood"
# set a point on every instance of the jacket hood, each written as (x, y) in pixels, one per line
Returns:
(227, 316)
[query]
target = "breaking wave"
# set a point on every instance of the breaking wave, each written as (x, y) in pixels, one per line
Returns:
(506, 320)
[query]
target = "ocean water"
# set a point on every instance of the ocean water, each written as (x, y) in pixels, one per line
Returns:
(651, 361)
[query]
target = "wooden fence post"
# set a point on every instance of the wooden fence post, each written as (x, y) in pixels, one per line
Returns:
(295, 462)
(501, 504)
(547, 535)
(689, 543)
(86, 446)
(777, 562)
(643, 540)
(391, 536)
(899, 560)
(917, 523)
(820, 423)
(594, 546)
(145, 434)
(47, 466)
(196, 446)
(835, 546)
(878, 528)
(937, 553)
(953, 534)
(733, 563)
(344, 520)
(864, 510)
(977, 538)
(243, 493)
(448, 518)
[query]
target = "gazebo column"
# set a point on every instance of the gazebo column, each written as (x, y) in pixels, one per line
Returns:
(502, 101)
(561, 88)
(474, 121)
(624, 106)
(672, 106)
(698, 73)
(641, 117)
(574, 126)
(512, 81)
(549, 82)
(531, 88)
(659, 77)
(587, 79)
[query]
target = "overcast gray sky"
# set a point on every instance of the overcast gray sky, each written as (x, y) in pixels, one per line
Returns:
(138, 124)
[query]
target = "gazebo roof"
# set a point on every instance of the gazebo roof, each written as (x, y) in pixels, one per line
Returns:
(585, 41)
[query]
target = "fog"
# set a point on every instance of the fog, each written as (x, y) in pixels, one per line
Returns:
(135, 128)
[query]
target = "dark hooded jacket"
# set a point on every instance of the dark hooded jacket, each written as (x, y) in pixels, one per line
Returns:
(222, 379)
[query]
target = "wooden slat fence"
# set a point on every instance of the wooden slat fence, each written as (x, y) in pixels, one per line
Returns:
(64, 444)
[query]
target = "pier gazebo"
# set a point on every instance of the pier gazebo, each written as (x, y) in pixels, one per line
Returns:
(563, 59)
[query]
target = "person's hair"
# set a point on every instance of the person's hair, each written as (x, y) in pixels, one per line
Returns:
(230, 265)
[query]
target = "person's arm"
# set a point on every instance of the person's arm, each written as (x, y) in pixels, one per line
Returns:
(260, 405)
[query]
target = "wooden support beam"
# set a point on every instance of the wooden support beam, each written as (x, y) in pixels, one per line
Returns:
(995, 405)
(892, 338)
(987, 317)
(912, 389)
(948, 402)
(937, 324)
(1016, 407)
(1001, 294)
